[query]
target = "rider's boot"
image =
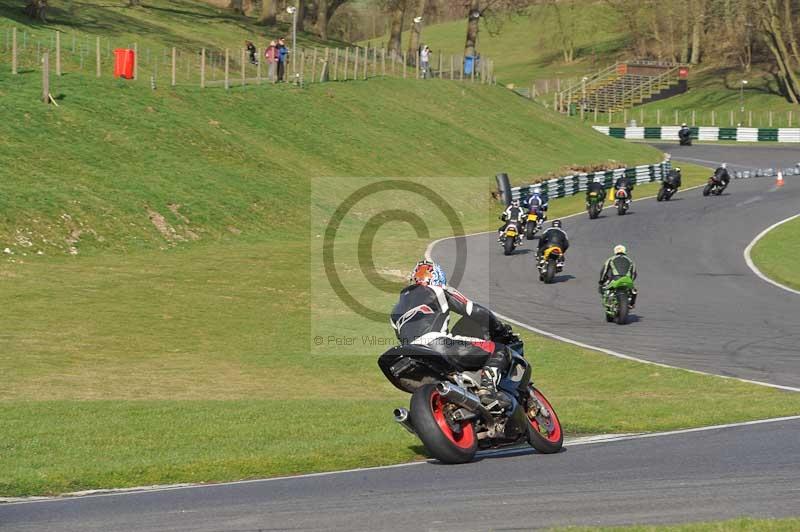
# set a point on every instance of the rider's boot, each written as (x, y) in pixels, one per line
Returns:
(490, 378)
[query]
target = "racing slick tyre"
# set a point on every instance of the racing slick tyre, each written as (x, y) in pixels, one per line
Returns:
(549, 272)
(594, 211)
(508, 246)
(544, 428)
(662, 194)
(707, 190)
(622, 308)
(530, 231)
(446, 440)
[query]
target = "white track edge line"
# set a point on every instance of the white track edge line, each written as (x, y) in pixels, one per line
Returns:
(591, 440)
(752, 264)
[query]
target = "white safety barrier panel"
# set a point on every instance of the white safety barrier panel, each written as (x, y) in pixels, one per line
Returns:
(670, 132)
(602, 129)
(634, 133)
(747, 134)
(708, 133)
(786, 134)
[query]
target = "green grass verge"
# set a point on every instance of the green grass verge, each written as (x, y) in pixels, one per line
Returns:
(778, 254)
(177, 344)
(733, 525)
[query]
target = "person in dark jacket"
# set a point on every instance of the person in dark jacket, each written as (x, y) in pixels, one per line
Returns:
(626, 183)
(283, 52)
(597, 187)
(422, 317)
(251, 51)
(553, 236)
(673, 177)
(616, 267)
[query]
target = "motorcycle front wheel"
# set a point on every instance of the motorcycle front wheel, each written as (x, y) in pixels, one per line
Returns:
(594, 211)
(544, 430)
(446, 440)
(707, 190)
(662, 193)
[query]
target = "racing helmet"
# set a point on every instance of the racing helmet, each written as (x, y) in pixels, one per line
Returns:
(724, 166)
(427, 273)
(683, 125)
(619, 249)
(556, 223)
(515, 203)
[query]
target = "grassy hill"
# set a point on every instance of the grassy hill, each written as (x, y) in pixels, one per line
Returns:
(163, 285)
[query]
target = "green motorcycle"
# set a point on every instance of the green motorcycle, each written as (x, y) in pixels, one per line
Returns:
(617, 299)
(594, 204)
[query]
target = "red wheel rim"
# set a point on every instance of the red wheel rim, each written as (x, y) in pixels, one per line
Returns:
(466, 439)
(553, 428)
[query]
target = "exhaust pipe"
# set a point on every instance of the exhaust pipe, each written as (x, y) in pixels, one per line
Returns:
(401, 416)
(458, 395)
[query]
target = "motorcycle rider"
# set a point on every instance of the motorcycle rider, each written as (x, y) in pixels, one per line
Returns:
(685, 134)
(721, 174)
(673, 177)
(422, 317)
(554, 236)
(514, 213)
(537, 203)
(624, 182)
(595, 186)
(615, 267)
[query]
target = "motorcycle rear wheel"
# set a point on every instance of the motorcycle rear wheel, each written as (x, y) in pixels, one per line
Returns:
(550, 271)
(508, 246)
(530, 231)
(594, 211)
(444, 440)
(544, 431)
(621, 208)
(622, 308)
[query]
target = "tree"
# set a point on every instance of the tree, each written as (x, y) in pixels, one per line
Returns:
(488, 10)
(269, 12)
(36, 9)
(774, 34)
(397, 9)
(417, 10)
(237, 6)
(323, 11)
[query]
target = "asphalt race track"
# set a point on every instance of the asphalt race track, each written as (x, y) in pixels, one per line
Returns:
(707, 475)
(700, 307)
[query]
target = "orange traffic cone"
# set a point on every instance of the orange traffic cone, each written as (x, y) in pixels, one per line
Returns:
(779, 182)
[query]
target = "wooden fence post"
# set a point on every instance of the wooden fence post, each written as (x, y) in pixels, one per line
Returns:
(770, 118)
(173, 65)
(314, 65)
(750, 118)
(694, 116)
(472, 71)
(346, 59)
(452, 67)
(203, 68)
(97, 55)
(58, 53)
(658, 117)
(676, 117)
(405, 63)
(595, 113)
(366, 60)
(336, 65)
(46, 78)
(13, 50)
(417, 60)
(355, 64)
(713, 118)
(135, 61)
(227, 68)
(244, 72)
(790, 119)
(383, 62)
(439, 70)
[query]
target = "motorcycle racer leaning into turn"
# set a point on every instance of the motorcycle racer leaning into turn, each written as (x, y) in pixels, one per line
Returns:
(422, 317)
(513, 213)
(616, 266)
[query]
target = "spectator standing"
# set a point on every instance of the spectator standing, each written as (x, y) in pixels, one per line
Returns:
(424, 60)
(271, 56)
(282, 53)
(251, 51)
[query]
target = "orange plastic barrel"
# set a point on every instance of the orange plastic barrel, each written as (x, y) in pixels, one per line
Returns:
(123, 63)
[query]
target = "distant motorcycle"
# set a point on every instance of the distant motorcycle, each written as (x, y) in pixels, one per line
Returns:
(594, 204)
(715, 186)
(550, 262)
(617, 299)
(511, 238)
(533, 224)
(622, 201)
(685, 136)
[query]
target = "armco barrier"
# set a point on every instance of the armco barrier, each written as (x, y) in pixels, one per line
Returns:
(560, 187)
(740, 134)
